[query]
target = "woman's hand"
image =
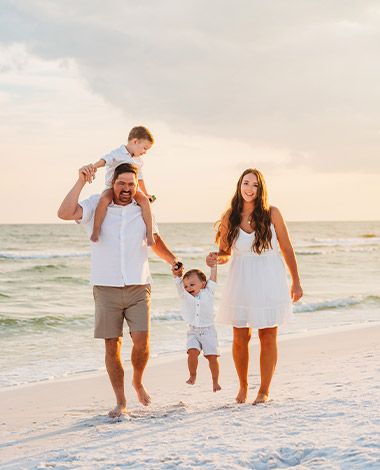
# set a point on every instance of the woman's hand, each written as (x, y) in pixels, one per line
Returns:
(296, 291)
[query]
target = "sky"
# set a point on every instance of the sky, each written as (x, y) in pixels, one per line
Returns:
(290, 87)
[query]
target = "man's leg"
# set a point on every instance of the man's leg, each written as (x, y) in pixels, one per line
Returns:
(115, 371)
(139, 358)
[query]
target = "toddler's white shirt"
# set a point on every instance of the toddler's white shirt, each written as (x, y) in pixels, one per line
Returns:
(117, 157)
(197, 310)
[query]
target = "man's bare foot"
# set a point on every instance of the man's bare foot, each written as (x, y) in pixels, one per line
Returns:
(142, 394)
(241, 397)
(95, 235)
(150, 239)
(191, 380)
(117, 411)
(261, 398)
(216, 387)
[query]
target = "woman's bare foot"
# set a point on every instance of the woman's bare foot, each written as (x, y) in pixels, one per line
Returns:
(216, 387)
(241, 397)
(95, 235)
(117, 411)
(261, 398)
(150, 239)
(191, 380)
(142, 394)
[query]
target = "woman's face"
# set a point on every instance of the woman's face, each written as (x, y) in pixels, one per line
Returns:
(249, 187)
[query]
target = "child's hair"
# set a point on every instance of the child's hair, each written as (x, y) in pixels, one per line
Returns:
(201, 275)
(124, 168)
(141, 133)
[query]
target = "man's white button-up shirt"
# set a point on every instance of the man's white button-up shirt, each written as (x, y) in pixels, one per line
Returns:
(197, 310)
(120, 257)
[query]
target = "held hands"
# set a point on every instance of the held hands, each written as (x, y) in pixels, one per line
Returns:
(296, 291)
(212, 259)
(177, 268)
(87, 173)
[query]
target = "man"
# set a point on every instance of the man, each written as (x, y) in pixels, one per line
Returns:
(119, 274)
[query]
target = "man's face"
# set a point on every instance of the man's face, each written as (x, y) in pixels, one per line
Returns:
(124, 188)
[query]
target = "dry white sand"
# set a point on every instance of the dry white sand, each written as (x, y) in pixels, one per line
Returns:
(324, 414)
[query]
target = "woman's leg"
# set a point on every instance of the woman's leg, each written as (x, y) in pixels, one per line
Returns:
(268, 360)
(240, 352)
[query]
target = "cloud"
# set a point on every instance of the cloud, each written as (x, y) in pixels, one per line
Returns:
(300, 78)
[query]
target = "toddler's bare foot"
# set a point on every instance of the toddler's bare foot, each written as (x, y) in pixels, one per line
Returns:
(150, 239)
(117, 411)
(241, 397)
(95, 235)
(215, 386)
(142, 394)
(261, 398)
(191, 380)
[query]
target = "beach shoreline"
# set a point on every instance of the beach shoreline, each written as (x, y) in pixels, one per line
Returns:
(63, 423)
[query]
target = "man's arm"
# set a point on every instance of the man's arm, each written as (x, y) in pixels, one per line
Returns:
(70, 209)
(163, 251)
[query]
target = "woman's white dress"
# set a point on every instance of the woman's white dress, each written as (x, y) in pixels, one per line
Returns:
(256, 293)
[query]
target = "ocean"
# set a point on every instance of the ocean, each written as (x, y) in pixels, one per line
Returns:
(46, 305)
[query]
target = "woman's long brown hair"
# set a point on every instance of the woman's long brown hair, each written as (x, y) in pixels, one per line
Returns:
(260, 217)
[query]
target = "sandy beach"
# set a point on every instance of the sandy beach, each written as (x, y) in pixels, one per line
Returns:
(323, 414)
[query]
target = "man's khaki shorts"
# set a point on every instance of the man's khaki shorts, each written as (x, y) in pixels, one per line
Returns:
(114, 304)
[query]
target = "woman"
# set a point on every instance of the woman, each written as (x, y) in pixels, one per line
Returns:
(256, 293)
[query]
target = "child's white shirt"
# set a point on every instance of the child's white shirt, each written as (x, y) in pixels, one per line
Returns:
(197, 310)
(117, 157)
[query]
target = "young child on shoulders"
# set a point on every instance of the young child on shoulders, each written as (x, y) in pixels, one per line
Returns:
(140, 140)
(197, 296)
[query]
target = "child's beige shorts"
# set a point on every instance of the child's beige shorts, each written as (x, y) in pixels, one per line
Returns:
(204, 339)
(114, 304)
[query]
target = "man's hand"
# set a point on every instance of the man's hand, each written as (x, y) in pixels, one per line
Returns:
(87, 173)
(177, 268)
(212, 259)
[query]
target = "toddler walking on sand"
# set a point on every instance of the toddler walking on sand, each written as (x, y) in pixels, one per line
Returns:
(197, 296)
(140, 140)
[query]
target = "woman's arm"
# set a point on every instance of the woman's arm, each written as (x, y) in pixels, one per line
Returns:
(224, 253)
(287, 252)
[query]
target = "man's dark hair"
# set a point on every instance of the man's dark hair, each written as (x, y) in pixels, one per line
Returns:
(124, 168)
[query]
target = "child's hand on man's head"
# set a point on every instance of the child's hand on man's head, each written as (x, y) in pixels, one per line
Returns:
(212, 259)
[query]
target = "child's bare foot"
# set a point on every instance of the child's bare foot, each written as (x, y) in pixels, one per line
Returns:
(150, 239)
(191, 380)
(95, 235)
(241, 397)
(261, 398)
(117, 411)
(142, 394)
(216, 387)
